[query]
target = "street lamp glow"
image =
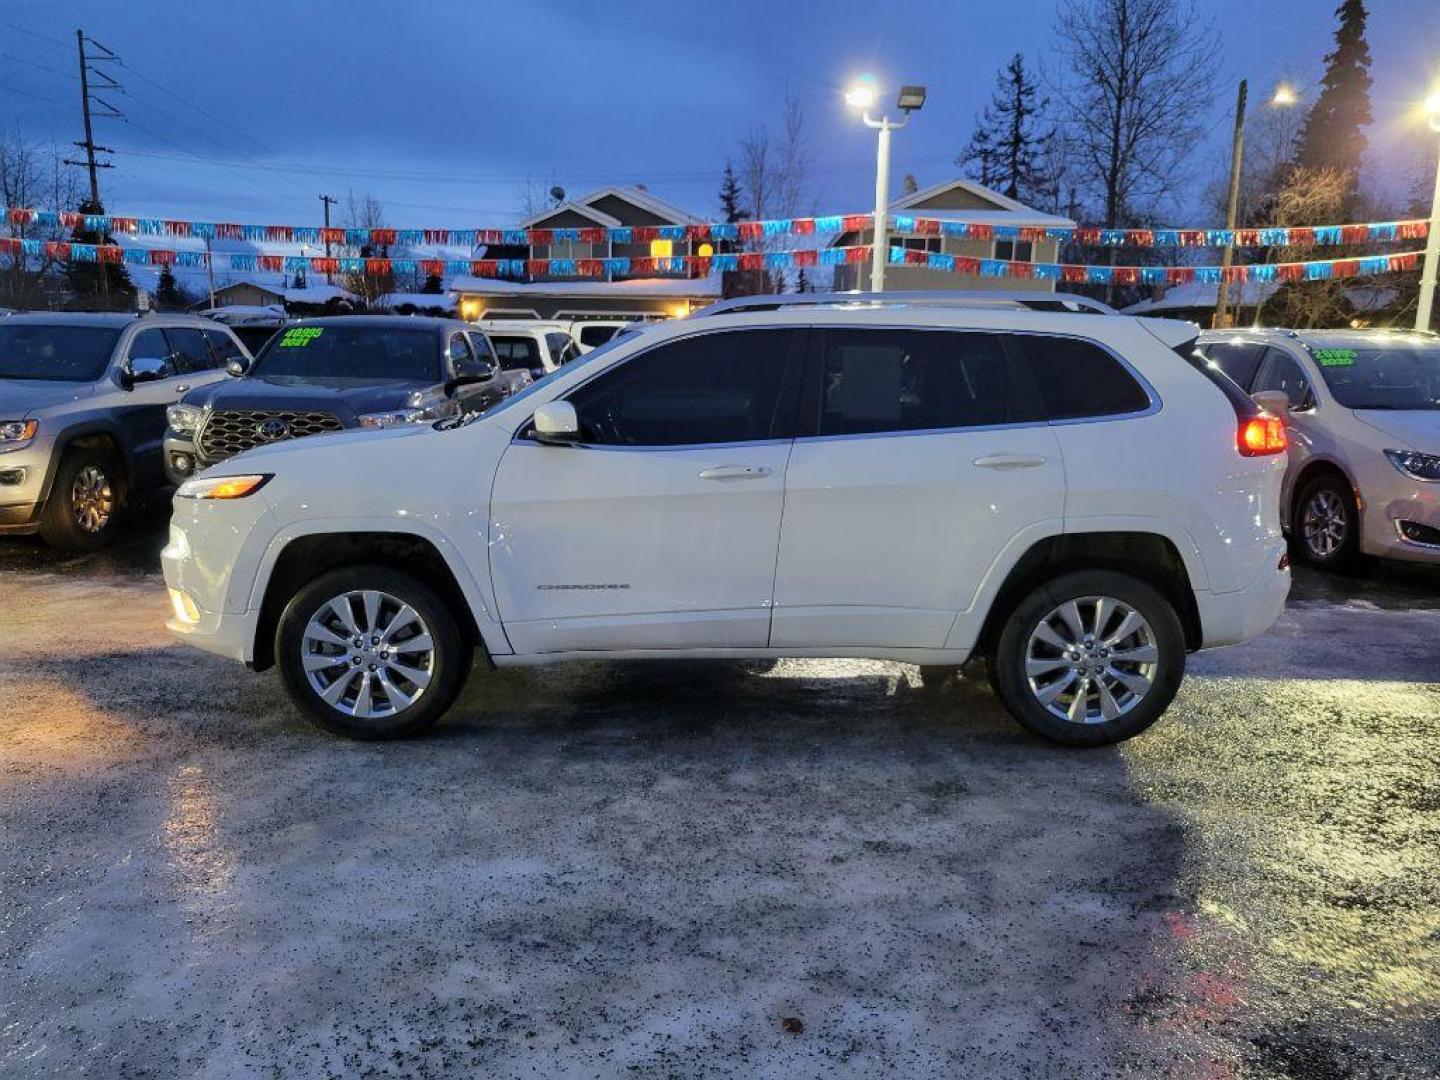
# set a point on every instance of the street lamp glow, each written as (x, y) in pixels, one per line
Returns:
(861, 95)
(1432, 110)
(1285, 95)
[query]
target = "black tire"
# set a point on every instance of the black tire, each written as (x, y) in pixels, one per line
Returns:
(1166, 639)
(447, 663)
(1315, 544)
(83, 511)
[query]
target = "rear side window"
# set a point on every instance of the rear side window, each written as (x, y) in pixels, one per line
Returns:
(223, 346)
(517, 353)
(192, 353)
(877, 381)
(1239, 361)
(1078, 379)
(590, 336)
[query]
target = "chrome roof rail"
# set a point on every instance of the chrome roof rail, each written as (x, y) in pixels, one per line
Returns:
(1032, 301)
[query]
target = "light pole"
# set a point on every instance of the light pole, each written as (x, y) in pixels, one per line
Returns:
(862, 96)
(1432, 244)
(1284, 96)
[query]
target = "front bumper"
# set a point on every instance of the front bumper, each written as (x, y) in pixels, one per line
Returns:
(1391, 501)
(181, 459)
(23, 476)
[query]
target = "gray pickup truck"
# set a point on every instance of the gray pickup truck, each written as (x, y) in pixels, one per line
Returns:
(82, 413)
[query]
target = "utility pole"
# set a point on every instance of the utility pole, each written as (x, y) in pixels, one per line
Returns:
(328, 202)
(90, 102)
(1220, 318)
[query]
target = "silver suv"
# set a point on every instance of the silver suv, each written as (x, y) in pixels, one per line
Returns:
(82, 413)
(1363, 408)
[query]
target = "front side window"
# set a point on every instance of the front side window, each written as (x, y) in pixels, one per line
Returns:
(914, 380)
(1078, 379)
(223, 346)
(151, 344)
(1386, 376)
(339, 355)
(1280, 371)
(713, 388)
(481, 344)
(55, 353)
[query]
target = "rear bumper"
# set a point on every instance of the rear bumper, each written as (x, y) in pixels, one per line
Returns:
(1232, 617)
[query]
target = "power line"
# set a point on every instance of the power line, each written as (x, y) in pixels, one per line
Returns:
(41, 37)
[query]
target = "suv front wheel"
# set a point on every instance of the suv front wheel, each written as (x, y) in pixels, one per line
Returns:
(370, 653)
(84, 505)
(1090, 658)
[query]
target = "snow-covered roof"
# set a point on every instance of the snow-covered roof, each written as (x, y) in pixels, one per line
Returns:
(1199, 294)
(239, 314)
(635, 287)
(584, 205)
(316, 294)
(1007, 211)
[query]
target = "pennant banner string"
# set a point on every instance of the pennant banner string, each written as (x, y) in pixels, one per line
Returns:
(722, 232)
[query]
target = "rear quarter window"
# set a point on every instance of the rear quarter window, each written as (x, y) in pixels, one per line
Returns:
(1078, 379)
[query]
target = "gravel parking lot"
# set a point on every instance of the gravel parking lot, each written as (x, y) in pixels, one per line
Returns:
(677, 870)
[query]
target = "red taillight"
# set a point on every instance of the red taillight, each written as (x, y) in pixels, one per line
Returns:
(1261, 435)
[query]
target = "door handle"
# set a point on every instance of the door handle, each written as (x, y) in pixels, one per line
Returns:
(735, 472)
(1010, 461)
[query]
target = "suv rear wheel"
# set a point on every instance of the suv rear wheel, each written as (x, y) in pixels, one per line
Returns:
(84, 505)
(370, 653)
(1090, 658)
(1326, 522)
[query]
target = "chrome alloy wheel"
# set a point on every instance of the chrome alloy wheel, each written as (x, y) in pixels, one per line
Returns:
(367, 654)
(1324, 524)
(1091, 660)
(92, 500)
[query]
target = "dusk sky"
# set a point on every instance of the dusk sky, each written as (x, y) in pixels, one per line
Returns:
(443, 110)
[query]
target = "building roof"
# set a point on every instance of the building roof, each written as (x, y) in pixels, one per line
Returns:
(1007, 211)
(419, 300)
(1200, 294)
(661, 288)
(629, 193)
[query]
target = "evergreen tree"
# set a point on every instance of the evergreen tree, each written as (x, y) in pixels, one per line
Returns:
(168, 295)
(730, 194)
(1008, 143)
(433, 286)
(96, 285)
(802, 282)
(1332, 136)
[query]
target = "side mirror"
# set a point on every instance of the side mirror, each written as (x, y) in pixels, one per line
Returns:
(147, 369)
(557, 424)
(237, 368)
(1275, 402)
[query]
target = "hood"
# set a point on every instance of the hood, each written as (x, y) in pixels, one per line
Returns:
(262, 395)
(1412, 429)
(21, 399)
(272, 455)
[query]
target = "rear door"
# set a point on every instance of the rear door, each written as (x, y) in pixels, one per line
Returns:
(922, 455)
(659, 530)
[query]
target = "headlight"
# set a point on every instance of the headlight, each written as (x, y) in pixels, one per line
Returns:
(184, 419)
(388, 419)
(1415, 465)
(15, 433)
(223, 487)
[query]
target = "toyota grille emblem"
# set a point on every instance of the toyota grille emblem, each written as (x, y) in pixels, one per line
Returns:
(272, 429)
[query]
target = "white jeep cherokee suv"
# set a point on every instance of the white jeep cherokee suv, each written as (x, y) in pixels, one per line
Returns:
(1074, 496)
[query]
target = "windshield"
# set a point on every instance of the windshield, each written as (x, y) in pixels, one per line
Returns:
(55, 353)
(351, 355)
(1394, 375)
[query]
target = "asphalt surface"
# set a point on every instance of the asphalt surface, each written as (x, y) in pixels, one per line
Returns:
(683, 870)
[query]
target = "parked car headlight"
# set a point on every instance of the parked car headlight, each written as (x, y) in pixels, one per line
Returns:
(1414, 464)
(184, 419)
(389, 419)
(222, 487)
(16, 433)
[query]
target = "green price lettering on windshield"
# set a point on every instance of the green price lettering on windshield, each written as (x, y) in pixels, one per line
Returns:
(1335, 357)
(298, 336)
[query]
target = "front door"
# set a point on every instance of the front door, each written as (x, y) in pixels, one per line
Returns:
(142, 409)
(923, 454)
(658, 531)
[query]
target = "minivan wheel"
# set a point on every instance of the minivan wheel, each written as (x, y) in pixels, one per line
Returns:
(1090, 658)
(1326, 522)
(370, 653)
(84, 505)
